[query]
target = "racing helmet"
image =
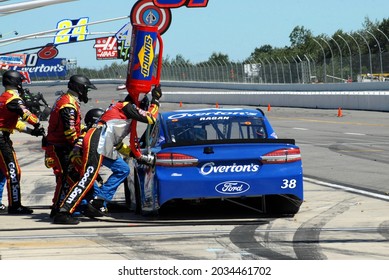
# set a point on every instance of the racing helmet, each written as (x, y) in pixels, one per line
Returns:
(14, 79)
(81, 85)
(92, 116)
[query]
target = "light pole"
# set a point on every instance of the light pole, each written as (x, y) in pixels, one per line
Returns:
(379, 47)
(368, 47)
(332, 58)
(324, 59)
(360, 54)
(341, 57)
(349, 50)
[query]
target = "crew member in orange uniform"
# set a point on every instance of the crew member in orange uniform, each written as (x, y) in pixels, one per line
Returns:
(12, 109)
(63, 132)
(103, 142)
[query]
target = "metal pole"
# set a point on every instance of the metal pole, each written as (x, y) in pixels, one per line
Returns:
(368, 47)
(314, 65)
(275, 63)
(341, 58)
(324, 59)
(309, 67)
(271, 72)
(283, 72)
(360, 54)
(290, 70)
(264, 70)
(297, 68)
(379, 47)
(383, 34)
(332, 58)
(349, 50)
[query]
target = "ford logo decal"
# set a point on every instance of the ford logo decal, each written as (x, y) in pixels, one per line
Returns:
(232, 187)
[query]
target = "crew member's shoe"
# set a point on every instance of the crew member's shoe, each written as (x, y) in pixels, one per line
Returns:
(53, 212)
(65, 219)
(19, 210)
(96, 208)
(3, 208)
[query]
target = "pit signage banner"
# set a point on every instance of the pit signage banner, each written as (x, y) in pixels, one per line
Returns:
(106, 48)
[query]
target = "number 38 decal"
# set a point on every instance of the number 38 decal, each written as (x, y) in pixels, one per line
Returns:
(71, 30)
(289, 184)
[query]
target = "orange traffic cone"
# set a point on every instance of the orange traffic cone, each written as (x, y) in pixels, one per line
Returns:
(268, 107)
(340, 114)
(180, 103)
(217, 105)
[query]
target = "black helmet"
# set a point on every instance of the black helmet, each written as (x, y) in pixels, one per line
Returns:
(92, 116)
(81, 85)
(14, 79)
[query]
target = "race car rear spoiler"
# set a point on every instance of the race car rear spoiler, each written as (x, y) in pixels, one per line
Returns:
(230, 141)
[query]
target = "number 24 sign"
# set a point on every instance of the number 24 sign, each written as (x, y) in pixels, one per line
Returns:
(180, 3)
(71, 30)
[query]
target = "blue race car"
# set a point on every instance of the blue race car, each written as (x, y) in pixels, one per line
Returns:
(217, 154)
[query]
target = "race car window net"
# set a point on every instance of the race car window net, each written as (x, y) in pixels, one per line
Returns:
(216, 128)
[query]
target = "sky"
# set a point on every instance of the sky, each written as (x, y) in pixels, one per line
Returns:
(234, 28)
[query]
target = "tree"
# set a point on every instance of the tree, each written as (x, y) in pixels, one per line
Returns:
(299, 36)
(219, 58)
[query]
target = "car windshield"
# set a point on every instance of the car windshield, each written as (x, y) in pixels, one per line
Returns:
(218, 128)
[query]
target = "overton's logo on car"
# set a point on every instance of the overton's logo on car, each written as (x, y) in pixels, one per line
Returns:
(232, 187)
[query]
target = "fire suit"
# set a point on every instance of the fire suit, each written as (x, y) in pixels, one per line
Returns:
(97, 148)
(12, 108)
(64, 129)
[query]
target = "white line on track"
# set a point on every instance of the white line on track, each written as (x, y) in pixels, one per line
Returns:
(354, 133)
(300, 128)
(348, 189)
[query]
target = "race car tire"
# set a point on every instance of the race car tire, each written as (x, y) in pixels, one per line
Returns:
(282, 204)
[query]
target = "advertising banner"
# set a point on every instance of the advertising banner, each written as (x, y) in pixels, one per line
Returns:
(43, 68)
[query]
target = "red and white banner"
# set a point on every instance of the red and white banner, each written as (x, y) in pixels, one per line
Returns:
(106, 48)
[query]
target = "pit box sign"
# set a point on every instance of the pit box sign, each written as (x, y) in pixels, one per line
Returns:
(37, 67)
(106, 48)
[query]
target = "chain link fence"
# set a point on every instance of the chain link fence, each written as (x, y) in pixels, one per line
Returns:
(276, 70)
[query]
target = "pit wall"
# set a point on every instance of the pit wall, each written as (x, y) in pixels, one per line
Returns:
(373, 96)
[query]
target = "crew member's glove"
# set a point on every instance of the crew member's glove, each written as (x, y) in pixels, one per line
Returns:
(156, 93)
(49, 161)
(76, 157)
(123, 149)
(147, 160)
(38, 130)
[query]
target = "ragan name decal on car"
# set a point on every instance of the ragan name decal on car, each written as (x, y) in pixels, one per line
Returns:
(232, 187)
(210, 167)
(211, 114)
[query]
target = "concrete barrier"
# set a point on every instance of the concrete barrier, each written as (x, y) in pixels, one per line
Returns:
(353, 96)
